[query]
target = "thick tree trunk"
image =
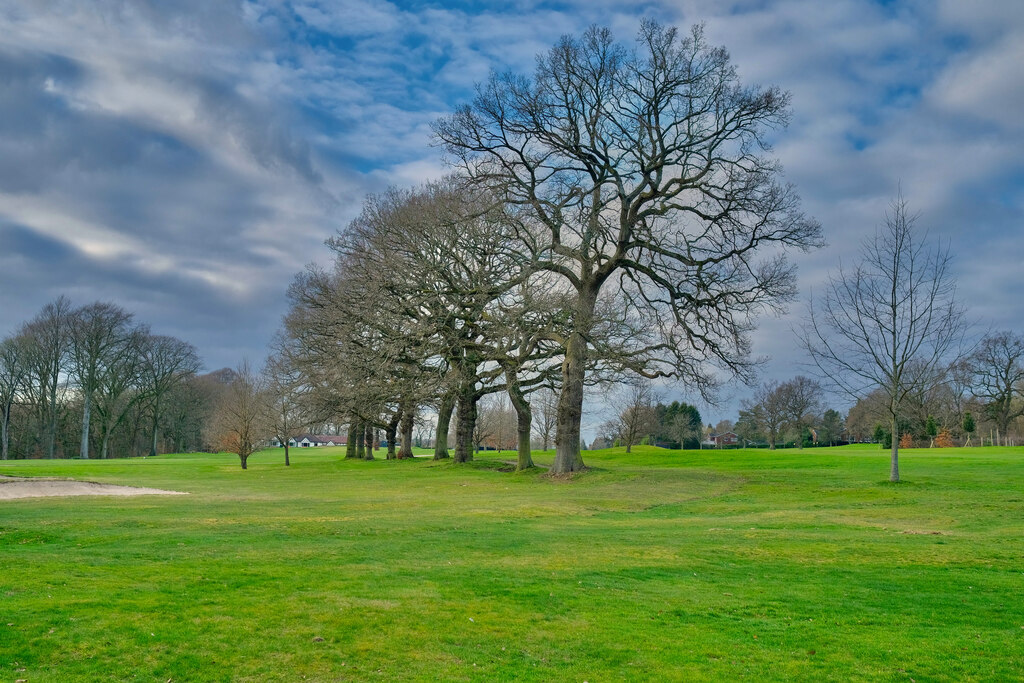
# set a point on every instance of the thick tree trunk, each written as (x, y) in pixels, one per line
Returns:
(894, 469)
(444, 423)
(83, 451)
(287, 462)
(360, 454)
(350, 447)
(465, 425)
(408, 417)
(244, 459)
(369, 441)
(392, 432)
(104, 445)
(570, 401)
(524, 420)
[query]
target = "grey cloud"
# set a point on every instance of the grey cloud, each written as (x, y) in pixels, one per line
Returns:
(212, 146)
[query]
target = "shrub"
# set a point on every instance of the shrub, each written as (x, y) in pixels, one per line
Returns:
(944, 439)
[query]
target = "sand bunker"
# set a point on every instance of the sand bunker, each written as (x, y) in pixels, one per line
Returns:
(32, 487)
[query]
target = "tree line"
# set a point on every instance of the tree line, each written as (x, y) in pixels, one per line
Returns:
(978, 396)
(90, 381)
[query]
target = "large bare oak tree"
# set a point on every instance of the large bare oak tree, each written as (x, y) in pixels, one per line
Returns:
(642, 169)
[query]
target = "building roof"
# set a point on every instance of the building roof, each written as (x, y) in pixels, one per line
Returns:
(337, 439)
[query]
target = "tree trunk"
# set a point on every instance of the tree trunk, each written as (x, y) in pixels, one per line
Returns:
(392, 432)
(570, 401)
(5, 434)
(408, 417)
(524, 420)
(51, 436)
(156, 427)
(350, 447)
(464, 427)
(287, 462)
(83, 451)
(524, 460)
(894, 469)
(51, 446)
(368, 434)
(444, 423)
(104, 445)
(360, 454)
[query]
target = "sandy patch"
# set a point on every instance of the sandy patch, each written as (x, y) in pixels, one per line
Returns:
(33, 487)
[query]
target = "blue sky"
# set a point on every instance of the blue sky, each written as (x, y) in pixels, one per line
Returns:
(186, 159)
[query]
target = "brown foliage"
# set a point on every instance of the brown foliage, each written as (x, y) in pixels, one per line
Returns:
(906, 441)
(944, 439)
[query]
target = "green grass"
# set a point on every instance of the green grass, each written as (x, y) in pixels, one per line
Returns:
(659, 565)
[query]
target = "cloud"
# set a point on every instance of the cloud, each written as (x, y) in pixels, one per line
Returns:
(186, 159)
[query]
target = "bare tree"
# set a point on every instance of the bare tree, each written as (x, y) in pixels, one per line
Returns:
(959, 381)
(769, 410)
(118, 386)
(496, 424)
(239, 423)
(891, 322)
(636, 417)
(544, 404)
(48, 342)
(487, 422)
(13, 374)
(167, 361)
(803, 404)
(100, 334)
(641, 170)
(997, 368)
(283, 390)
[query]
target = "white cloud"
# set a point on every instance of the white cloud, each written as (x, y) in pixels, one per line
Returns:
(227, 141)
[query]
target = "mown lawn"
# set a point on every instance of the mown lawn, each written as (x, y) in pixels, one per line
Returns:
(658, 565)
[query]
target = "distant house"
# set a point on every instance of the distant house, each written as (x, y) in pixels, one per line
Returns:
(315, 441)
(724, 439)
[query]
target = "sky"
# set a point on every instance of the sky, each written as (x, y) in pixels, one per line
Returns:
(186, 159)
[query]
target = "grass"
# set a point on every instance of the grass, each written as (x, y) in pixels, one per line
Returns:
(658, 565)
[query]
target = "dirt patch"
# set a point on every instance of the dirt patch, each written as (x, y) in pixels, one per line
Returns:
(36, 487)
